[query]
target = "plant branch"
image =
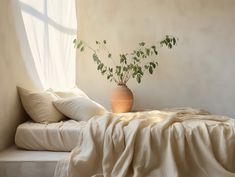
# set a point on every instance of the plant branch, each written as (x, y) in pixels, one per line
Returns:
(132, 64)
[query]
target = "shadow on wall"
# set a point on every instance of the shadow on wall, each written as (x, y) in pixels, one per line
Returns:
(12, 73)
(44, 18)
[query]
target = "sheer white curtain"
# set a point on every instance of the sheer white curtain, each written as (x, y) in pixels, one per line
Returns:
(49, 27)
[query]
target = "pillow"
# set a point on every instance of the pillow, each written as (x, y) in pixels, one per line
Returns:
(39, 106)
(71, 93)
(79, 108)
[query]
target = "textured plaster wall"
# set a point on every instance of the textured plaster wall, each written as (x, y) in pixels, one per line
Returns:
(12, 73)
(199, 72)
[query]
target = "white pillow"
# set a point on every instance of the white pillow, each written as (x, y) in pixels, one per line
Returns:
(39, 106)
(71, 93)
(79, 108)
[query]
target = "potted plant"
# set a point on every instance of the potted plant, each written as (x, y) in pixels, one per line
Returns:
(141, 60)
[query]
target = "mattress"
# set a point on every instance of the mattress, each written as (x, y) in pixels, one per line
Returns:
(61, 136)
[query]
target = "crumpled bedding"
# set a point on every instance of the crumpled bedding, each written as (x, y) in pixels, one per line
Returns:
(169, 143)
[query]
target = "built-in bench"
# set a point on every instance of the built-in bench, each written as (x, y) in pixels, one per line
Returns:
(15, 162)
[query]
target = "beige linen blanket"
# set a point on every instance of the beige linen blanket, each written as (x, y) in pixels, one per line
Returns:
(170, 143)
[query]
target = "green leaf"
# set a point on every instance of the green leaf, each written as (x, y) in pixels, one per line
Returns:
(150, 70)
(142, 44)
(82, 49)
(146, 66)
(130, 66)
(156, 53)
(135, 71)
(168, 39)
(138, 78)
(109, 76)
(100, 66)
(74, 41)
(162, 42)
(138, 54)
(110, 70)
(79, 44)
(123, 59)
(95, 57)
(118, 70)
(136, 59)
(170, 45)
(147, 51)
(121, 76)
(104, 70)
(174, 41)
(153, 64)
(109, 55)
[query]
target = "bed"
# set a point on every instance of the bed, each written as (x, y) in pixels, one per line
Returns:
(168, 143)
(61, 136)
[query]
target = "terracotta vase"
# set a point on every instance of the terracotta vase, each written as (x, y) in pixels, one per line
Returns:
(121, 99)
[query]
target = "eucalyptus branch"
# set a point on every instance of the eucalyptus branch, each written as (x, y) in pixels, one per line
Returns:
(130, 64)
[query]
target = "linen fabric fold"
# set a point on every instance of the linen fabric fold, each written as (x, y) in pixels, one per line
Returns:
(178, 143)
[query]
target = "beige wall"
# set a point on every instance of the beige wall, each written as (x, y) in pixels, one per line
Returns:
(198, 72)
(12, 73)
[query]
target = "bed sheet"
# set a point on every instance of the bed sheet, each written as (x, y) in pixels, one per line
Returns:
(61, 136)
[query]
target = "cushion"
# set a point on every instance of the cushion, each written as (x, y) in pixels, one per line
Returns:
(71, 93)
(39, 106)
(79, 108)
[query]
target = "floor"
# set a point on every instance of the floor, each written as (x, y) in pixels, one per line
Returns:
(20, 163)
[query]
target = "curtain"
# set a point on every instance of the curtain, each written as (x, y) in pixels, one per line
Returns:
(46, 29)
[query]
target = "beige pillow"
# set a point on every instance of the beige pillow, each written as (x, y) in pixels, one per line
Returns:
(39, 106)
(79, 108)
(70, 93)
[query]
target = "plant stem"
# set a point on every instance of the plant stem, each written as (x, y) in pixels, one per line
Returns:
(114, 63)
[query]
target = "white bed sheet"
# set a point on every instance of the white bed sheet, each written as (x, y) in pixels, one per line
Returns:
(61, 136)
